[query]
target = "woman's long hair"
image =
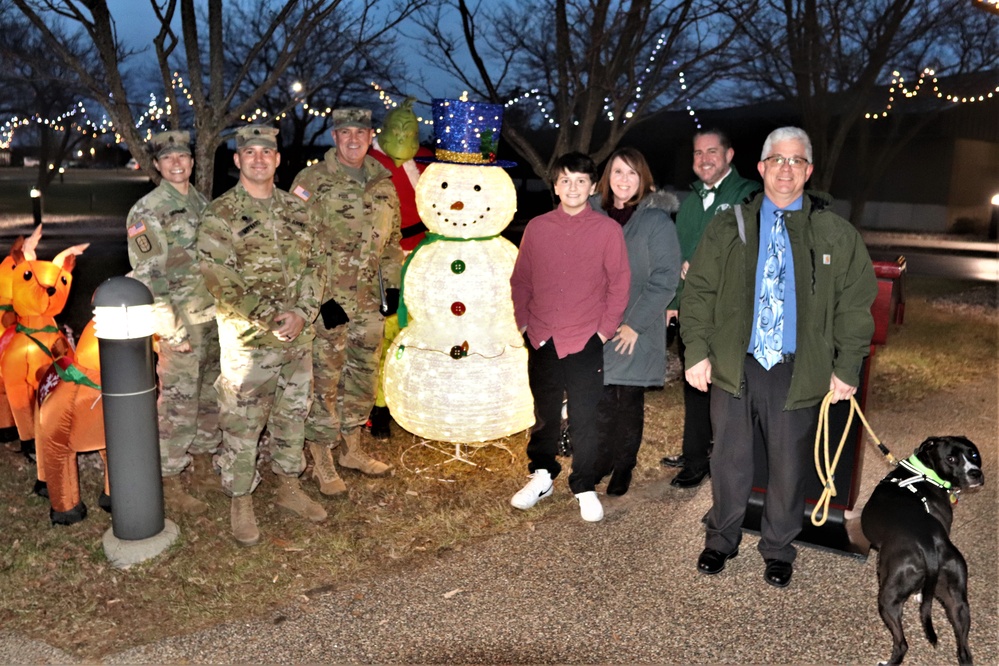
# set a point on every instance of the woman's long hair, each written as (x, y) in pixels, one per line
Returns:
(634, 159)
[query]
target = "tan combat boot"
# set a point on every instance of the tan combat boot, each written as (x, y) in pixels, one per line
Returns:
(324, 471)
(290, 496)
(244, 523)
(177, 498)
(353, 456)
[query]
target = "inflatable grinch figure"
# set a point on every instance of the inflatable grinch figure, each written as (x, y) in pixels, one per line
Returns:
(394, 148)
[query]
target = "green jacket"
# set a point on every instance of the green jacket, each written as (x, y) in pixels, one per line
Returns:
(692, 219)
(835, 284)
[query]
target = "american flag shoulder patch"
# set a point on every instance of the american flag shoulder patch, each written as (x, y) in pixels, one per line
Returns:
(136, 229)
(301, 193)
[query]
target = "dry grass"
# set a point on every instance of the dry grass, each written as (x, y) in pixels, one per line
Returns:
(57, 586)
(942, 344)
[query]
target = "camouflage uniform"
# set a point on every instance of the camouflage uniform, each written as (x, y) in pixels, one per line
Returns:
(162, 231)
(362, 221)
(261, 258)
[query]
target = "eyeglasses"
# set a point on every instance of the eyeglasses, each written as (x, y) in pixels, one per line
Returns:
(793, 162)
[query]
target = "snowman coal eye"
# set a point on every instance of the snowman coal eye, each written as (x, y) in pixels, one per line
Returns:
(443, 186)
(477, 188)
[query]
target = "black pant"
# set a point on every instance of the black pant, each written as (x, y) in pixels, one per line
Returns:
(787, 435)
(620, 422)
(579, 377)
(697, 433)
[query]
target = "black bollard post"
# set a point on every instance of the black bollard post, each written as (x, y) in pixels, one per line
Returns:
(124, 327)
(36, 204)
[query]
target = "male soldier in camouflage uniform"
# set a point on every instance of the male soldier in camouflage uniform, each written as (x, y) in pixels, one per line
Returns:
(162, 231)
(263, 259)
(352, 197)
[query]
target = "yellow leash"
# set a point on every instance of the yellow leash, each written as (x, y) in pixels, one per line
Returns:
(827, 472)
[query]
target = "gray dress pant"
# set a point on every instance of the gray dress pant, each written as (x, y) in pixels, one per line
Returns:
(788, 437)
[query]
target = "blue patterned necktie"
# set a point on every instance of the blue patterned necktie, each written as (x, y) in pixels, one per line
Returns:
(770, 322)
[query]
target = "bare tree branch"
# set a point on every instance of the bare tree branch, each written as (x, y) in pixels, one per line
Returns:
(219, 93)
(829, 58)
(599, 67)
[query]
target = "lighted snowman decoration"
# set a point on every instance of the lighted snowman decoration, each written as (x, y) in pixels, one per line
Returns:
(457, 372)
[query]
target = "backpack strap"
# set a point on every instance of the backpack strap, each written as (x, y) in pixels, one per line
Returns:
(741, 222)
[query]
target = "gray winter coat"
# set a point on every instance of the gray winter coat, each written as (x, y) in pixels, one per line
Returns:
(654, 255)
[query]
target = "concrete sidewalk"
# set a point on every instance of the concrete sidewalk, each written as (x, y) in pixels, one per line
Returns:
(625, 590)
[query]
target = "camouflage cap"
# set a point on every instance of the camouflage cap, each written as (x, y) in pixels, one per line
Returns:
(256, 135)
(351, 117)
(175, 141)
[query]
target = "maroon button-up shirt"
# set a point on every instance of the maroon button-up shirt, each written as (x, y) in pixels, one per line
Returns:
(571, 279)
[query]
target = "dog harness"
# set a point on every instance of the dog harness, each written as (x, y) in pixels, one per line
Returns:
(920, 474)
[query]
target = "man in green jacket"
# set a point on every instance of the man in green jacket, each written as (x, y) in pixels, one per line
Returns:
(776, 313)
(720, 187)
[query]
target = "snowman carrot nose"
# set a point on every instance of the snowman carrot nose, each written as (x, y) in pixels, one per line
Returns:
(457, 205)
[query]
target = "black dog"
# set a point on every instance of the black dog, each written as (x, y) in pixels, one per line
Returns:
(908, 520)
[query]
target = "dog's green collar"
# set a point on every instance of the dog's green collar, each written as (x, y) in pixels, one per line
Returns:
(916, 465)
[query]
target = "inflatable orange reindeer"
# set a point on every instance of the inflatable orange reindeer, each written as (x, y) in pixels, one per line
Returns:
(39, 292)
(70, 420)
(8, 429)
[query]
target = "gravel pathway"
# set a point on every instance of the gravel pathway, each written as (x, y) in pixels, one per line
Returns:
(621, 591)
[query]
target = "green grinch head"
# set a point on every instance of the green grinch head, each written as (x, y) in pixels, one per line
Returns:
(400, 135)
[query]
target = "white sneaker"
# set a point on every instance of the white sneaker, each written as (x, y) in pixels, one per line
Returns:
(539, 487)
(590, 507)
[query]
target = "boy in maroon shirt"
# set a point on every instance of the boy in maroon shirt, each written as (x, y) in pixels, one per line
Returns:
(570, 289)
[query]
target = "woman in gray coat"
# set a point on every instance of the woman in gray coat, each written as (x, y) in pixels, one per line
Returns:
(635, 358)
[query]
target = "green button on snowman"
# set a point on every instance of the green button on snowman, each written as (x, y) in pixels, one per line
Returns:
(457, 372)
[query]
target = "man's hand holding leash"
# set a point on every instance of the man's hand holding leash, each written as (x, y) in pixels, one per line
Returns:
(840, 389)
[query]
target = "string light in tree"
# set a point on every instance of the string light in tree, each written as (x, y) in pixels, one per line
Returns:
(898, 86)
(78, 119)
(384, 96)
(389, 103)
(641, 79)
(688, 101)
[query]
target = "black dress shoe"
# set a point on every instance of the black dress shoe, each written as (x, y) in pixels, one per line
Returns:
(690, 477)
(619, 482)
(672, 461)
(778, 573)
(713, 561)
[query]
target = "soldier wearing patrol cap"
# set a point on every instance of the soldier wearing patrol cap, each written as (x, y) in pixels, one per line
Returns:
(263, 259)
(352, 197)
(162, 229)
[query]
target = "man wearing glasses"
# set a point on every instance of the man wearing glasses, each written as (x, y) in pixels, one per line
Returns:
(776, 313)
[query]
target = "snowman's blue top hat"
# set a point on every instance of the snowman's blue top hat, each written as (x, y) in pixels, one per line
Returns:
(468, 132)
